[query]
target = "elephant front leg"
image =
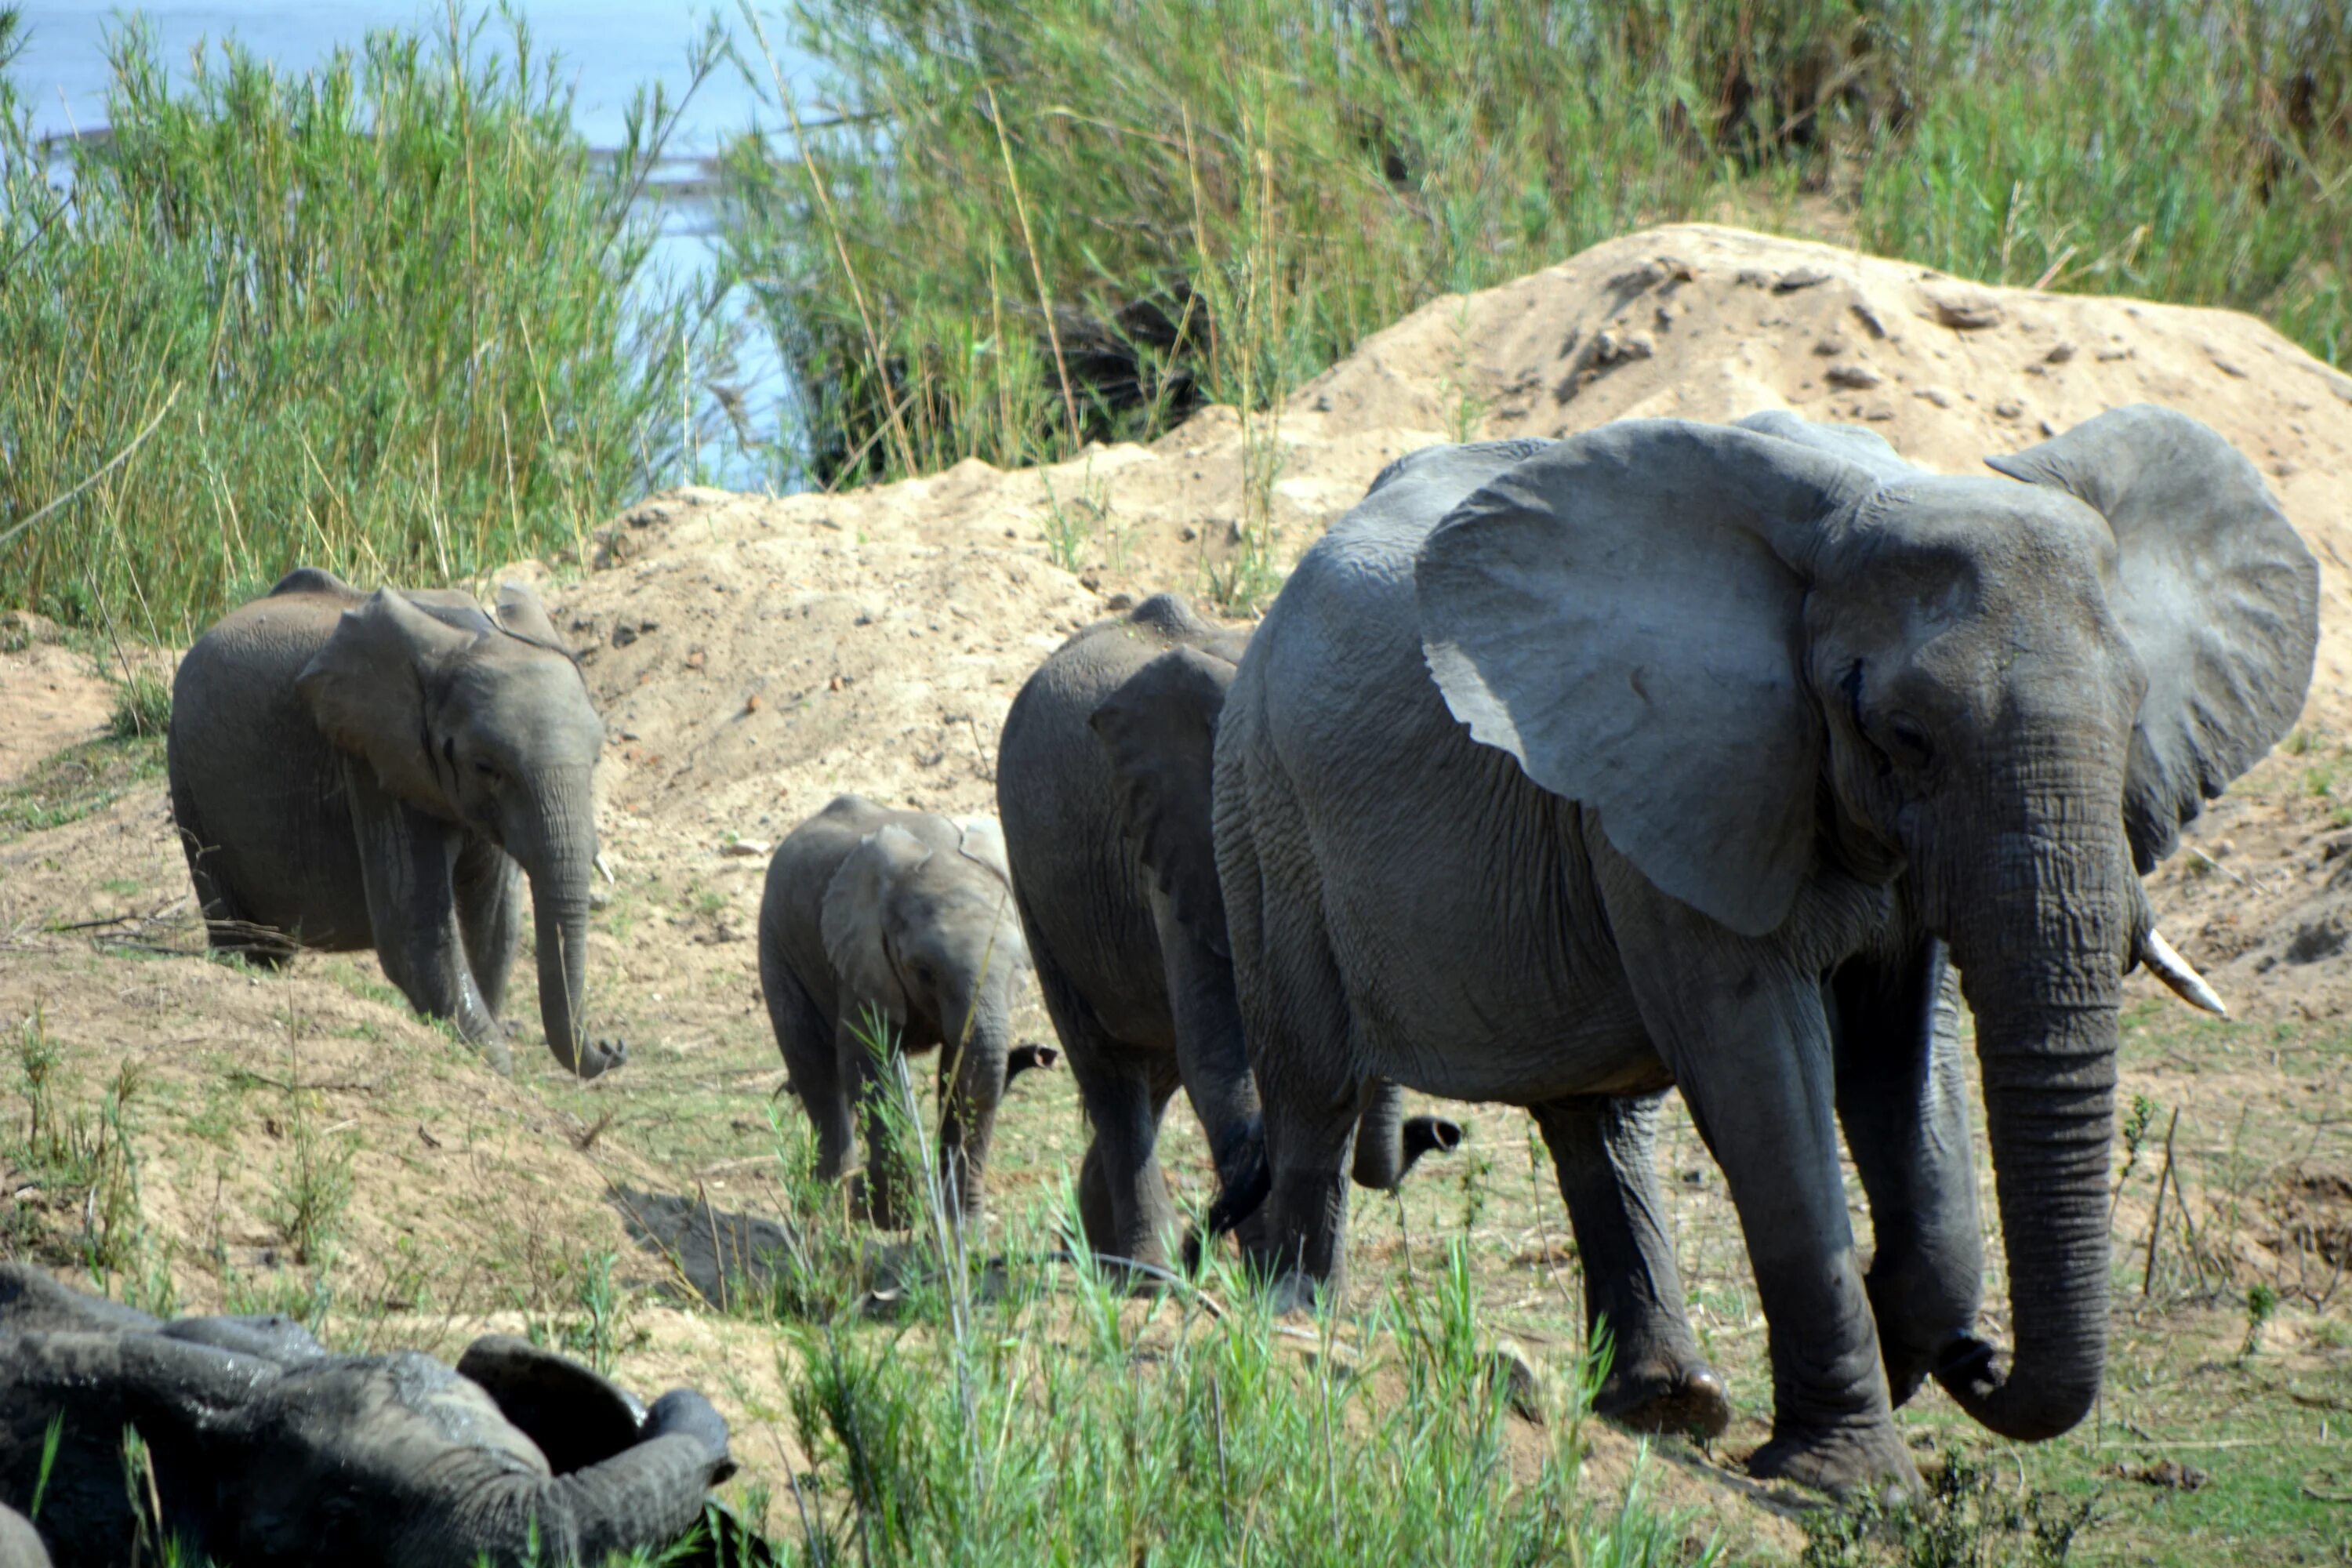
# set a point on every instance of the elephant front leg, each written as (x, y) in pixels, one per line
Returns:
(867, 1060)
(1904, 1106)
(1743, 1028)
(1604, 1151)
(489, 887)
(408, 862)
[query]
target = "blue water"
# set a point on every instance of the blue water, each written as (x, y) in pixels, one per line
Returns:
(606, 49)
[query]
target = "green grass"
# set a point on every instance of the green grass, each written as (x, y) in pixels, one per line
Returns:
(379, 316)
(1022, 224)
(70, 784)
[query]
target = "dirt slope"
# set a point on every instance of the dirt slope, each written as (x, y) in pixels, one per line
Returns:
(754, 657)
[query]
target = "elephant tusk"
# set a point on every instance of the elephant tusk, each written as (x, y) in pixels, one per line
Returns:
(2164, 961)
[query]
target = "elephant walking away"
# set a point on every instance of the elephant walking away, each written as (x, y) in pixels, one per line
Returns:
(382, 771)
(256, 1447)
(1685, 753)
(1102, 786)
(906, 918)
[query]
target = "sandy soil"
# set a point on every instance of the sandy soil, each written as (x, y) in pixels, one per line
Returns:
(754, 657)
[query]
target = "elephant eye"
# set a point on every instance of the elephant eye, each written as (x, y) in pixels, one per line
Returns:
(1910, 739)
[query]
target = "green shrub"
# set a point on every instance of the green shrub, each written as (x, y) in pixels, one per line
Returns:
(1025, 222)
(386, 317)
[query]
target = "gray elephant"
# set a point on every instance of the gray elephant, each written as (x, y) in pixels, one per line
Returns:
(1674, 752)
(1102, 786)
(903, 916)
(380, 770)
(256, 1446)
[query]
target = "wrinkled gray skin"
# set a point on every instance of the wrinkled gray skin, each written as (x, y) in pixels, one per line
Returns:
(1680, 752)
(352, 771)
(264, 1449)
(1102, 786)
(909, 914)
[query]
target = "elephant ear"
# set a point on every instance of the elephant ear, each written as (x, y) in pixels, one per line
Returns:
(1160, 731)
(367, 688)
(2218, 595)
(982, 839)
(575, 1417)
(854, 916)
(521, 611)
(1623, 614)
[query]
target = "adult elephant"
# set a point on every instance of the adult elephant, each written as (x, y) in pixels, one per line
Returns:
(256, 1446)
(1102, 786)
(380, 770)
(1682, 752)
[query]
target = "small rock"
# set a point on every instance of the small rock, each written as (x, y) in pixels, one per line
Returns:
(1828, 346)
(2227, 367)
(1323, 403)
(751, 703)
(694, 660)
(834, 685)
(624, 636)
(2008, 408)
(744, 849)
(1967, 315)
(1855, 377)
(2060, 353)
(1869, 319)
(1188, 533)
(2169, 1474)
(2037, 370)
(1676, 268)
(1612, 347)
(2113, 352)
(1878, 412)
(1120, 602)
(1803, 277)
(1935, 394)
(1640, 279)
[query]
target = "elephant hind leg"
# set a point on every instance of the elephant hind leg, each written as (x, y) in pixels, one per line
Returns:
(1658, 1380)
(229, 926)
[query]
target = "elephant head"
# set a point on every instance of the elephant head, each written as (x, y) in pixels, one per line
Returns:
(484, 721)
(1778, 658)
(932, 938)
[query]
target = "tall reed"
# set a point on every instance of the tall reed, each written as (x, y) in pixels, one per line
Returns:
(395, 318)
(1176, 202)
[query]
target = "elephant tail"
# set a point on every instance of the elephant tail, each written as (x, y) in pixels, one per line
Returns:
(1245, 1180)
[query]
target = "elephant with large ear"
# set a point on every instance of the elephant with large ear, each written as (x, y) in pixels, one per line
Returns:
(256, 1446)
(1683, 753)
(894, 930)
(382, 771)
(1102, 785)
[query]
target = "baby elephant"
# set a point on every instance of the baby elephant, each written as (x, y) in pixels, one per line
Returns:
(381, 771)
(256, 1447)
(907, 917)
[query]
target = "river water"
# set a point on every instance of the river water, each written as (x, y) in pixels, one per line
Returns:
(606, 49)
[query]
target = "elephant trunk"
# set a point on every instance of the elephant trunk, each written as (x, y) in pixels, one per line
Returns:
(559, 854)
(2041, 968)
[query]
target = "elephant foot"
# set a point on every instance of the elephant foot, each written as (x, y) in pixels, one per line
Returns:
(1686, 1400)
(495, 1054)
(1861, 1458)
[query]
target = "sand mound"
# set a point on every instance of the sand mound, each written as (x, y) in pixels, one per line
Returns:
(754, 657)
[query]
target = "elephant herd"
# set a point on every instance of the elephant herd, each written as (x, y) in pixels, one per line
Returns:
(1729, 759)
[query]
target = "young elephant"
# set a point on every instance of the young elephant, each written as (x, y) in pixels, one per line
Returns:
(256, 1447)
(381, 771)
(907, 916)
(1103, 789)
